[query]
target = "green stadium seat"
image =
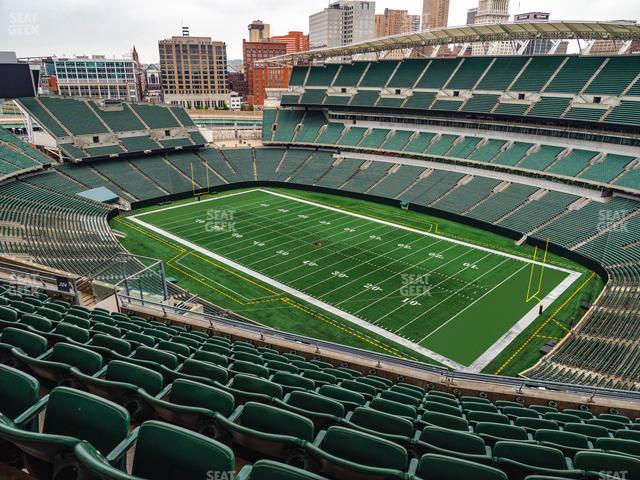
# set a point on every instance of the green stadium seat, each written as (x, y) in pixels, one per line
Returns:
(568, 442)
(31, 344)
(592, 432)
(439, 467)
(246, 388)
(394, 408)
(347, 398)
(265, 431)
(495, 432)
(291, 381)
(445, 420)
(55, 366)
(608, 462)
(18, 392)
(322, 411)
(345, 454)
(120, 383)
(192, 405)
(380, 424)
(100, 422)
(270, 470)
(199, 371)
(619, 445)
(157, 458)
(453, 443)
(521, 459)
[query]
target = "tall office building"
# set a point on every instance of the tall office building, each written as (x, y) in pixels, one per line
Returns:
(194, 72)
(395, 22)
(341, 23)
(260, 75)
(295, 41)
(493, 11)
(471, 16)
(535, 47)
(259, 31)
(96, 77)
(435, 13)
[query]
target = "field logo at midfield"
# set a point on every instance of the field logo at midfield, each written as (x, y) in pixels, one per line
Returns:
(416, 285)
(219, 220)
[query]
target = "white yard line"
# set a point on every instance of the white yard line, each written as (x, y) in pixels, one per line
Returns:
(494, 350)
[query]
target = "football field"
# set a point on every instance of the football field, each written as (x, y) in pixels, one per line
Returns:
(455, 302)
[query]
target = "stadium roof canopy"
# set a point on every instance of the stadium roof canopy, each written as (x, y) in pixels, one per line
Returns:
(478, 34)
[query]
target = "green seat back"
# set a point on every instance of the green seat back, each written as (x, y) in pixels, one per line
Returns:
(608, 462)
(407, 391)
(320, 377)
(8, 314)
(188, 342)
(479, 407)
(282, 367)
(268, 419)
(394, 408)
(83, 359)
(510, 432)
(566, 439)
(49, 313)
(30, 343)
(520, 412)
(536, 423)
(315, 403)
(629, 447)
(270, 470)
(442, 408)
(361, 388)
(158, 458)
(446, 421)
(173, 348)
(85, 416)
(400, 398)
(23, 307)
(194, 394)
(73, 332)
(438, 467)
(530, 454)
(341, 394)
(140, 338)
(38, 322)
(583, 414)
(487, 417)
(628, 434)
(364, 449)
(248, 357)
(116, 344)
(562, 417)
(207, 370)
(149, 380)
(107, 330)
(593, 431)
(611, 425)
(241, 366)
(292, 380)
(77, 321)
(216, 348)
(167, 359)
(382, 422)
(211, 357)
(18, 391)
(461, 442)
(250, 384)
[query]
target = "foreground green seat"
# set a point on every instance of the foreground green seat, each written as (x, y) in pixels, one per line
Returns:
(384, 425)
(264, 431)
(270, 470)
(157, 458)
(569, 443)
(453, 443)
(492, 433)
(18, 393)
(344, 454)
(55, 366)
(120, 383)
(71, 415)
(611, 464)
(521, 459)
(619, 445)
(36, 322)
(192, 405)
(322, 411)
(438, 467)
(29, 343)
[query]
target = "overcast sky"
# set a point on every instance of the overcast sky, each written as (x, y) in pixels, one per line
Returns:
(111, 27)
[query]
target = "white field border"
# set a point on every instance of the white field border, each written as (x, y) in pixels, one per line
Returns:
(478, 364)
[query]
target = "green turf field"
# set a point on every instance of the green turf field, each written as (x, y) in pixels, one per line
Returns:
(442, 298)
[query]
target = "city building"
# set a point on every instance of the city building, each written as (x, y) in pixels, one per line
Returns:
(238, 84)
(295, 41)
(471, 16)
(154, 83)
(612, 47)
(260, 75)
(535, 47)
(259, 31)
(194, 71)
(491, 12)
(395, 22)
(341, 23)
(96, 77)
(435, 13)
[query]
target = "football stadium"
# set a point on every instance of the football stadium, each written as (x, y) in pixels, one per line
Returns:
(426, 267)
